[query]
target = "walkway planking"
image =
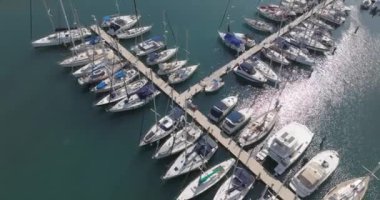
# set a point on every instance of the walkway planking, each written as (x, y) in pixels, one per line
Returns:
(181, 99)
(198, 87)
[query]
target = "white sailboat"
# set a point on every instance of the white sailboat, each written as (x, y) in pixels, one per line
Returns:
(86, 57)
(156, 58)
(182, 74)
(170, 67)
(122, 93)
(193, 157)
(275, 56)
(120, 23)
(264, 69)
(236, 187)
(353, 189)
(142, 97)
(68, 35)
(206, 180)
(179, 141)
(118, 80)
(134, 32)
(97, 64)
(101, 73)
(314, 173)
(148, 46)
(165, 126)
(259, 128)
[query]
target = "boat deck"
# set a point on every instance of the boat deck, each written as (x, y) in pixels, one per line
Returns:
(181, 99)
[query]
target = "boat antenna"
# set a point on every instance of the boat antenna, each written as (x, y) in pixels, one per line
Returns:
(224, 14)
(187, 45)
(48, 12)
(117, 7)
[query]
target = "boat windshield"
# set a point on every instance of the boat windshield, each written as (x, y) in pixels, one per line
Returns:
(216, 112)
(235, 117)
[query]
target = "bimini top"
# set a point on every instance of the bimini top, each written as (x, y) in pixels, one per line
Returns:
(231, 38)
(153, 56)
(107, 18)
(94, 39)
(235, 117)
(241, 180)
(247, 67)
(146, 91)
(203, 148)
(176, 113)
(120, 74)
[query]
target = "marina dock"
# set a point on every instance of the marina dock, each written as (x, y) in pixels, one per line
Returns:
(181, 99)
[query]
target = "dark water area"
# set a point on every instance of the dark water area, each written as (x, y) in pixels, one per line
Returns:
(55, 145)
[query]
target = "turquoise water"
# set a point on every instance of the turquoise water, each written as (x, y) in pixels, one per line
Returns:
(55, 145)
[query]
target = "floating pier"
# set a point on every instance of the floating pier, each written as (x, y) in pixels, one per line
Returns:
(181, 99)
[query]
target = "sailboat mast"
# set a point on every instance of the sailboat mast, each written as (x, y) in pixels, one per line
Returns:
(67, 21)
(48, 11)
(117, 7)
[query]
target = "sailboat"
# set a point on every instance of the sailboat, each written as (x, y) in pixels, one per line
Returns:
(156, 58)
(148, 46)
(354, 189)
(193, 157)
(92, 42)
(123, 92)
(236, 187)
(182, 74)
(179, 141)
(85, 57)
(63, 37)
(97, 64)
(134, 32)
(118, 80)
(214, 85)
(206, 180)
(101, 73)
(259, 128)
(118, 24)
(142, 97)
(165, 126)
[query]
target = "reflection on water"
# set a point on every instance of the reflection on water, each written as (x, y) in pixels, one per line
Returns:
(315, 99)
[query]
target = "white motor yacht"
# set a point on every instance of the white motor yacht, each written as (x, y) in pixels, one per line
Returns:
(222, 108)
(236, 120)
(148, 46)
(247, 71)
(287, 145)
(314, 173)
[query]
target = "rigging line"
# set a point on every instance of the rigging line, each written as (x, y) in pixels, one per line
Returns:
(224, 14)
(170, 28)
(30, 19)
(48, 11)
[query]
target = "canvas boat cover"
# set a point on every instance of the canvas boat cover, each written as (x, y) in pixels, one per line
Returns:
(232, 39)
(241, 180)
(146, 91)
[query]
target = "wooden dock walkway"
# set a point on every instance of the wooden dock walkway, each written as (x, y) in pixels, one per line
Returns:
(181, 99)
(198, 87)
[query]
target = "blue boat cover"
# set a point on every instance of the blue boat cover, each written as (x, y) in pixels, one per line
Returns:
(176, 113)
(120, 74)
(231, 38)
(202, 148)
(107, 18)
(101, 85)
(153, 56)
(247, 67)
(241, 180)
(235, 116)
(156, 38)
(146, 91)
